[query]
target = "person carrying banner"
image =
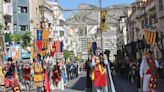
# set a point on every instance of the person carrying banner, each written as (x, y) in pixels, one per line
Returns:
(99, 75)
(148, 73)
(38, 73)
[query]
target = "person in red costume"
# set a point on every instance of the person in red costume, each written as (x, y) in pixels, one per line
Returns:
(99, 75)
(10, 77)
(26, 75)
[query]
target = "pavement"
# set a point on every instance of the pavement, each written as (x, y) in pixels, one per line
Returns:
(77, 85)
(123, 85)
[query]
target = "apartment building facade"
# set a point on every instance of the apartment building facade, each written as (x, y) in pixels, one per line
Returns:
(21, 15)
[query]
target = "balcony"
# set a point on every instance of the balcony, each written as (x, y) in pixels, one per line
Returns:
(7, 9)
(150, 5)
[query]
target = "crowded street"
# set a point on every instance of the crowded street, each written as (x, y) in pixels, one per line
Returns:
(81, 46)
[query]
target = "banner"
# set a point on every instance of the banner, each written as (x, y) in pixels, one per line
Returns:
(33, 55)
(61, 46)
(17, 55)
(103, 24)
(39, 40)
(57, 45)
(94, 47)
(45, 34)
(150, 37)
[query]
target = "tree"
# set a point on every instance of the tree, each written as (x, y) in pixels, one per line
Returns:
(26, 39)
(15, 37)
(7, 37)
(66, 54)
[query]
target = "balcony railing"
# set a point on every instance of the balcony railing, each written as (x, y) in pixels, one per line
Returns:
(7, 9)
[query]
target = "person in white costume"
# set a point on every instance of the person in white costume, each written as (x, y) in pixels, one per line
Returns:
(146, 72)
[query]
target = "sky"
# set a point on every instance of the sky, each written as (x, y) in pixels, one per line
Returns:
(73, 4)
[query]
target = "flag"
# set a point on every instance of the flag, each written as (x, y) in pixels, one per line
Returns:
(45, 34)
(61, 46)
(57, 45)
(45, 38)
(47, 82)
(39, 40)
(154, 38)
(103, 25)
(94, 47)
(150, 37)
(32, 53)
(17, 54)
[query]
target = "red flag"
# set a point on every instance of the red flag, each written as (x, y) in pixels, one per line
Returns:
(53, 49)
(47, 84)
(39, 44)
(57, 45)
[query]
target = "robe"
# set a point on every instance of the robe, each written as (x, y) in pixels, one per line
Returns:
(99, 75)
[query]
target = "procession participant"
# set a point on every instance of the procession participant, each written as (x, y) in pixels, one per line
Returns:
(99, 75)
(148, 73)
(46, 82)
(11, 77)
(68, 66)
(38, 73)
(2, 76)
(56, 75)
(26, 75)
(64, 73)
(19, 69)
(88, 74)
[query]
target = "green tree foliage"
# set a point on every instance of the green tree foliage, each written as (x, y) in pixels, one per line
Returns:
(66, 54)
(15, 37)
(25, 38)
(7, 37)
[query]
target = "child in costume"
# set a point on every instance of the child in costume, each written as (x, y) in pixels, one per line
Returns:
(26, 75)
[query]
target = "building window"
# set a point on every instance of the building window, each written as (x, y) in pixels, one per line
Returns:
(160, 5)
(23, 28)
(22, 9)
(15, 27)
(7, 0)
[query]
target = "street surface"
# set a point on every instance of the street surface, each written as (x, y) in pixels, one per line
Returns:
(121, 85)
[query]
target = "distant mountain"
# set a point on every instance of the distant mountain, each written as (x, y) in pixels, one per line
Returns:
(91, 17)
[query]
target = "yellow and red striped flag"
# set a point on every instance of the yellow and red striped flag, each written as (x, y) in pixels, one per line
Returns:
(150, 37)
